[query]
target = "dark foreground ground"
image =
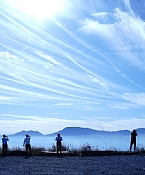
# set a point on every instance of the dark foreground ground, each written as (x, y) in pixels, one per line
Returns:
(80, 165)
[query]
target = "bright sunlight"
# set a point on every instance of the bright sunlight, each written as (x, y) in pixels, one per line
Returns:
(39, 9)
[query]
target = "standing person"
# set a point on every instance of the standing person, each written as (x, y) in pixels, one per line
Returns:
(133, 139)
(4, 144)
(27, 145)
(58, 143)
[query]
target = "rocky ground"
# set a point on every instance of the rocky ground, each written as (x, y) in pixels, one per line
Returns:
(75, 165)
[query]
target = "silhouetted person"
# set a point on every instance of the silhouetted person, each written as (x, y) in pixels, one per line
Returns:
(5, 145)
(27, 144)
(58, 143)
(133, 139)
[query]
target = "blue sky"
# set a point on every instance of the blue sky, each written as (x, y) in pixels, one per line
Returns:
(72, 63)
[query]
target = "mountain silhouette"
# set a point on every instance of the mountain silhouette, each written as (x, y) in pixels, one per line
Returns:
(78, 131)
(140, 130)
(31, 133)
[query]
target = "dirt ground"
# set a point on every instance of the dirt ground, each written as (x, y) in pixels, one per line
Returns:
(75, 165)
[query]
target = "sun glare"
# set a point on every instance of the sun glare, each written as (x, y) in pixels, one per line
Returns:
(39, 8)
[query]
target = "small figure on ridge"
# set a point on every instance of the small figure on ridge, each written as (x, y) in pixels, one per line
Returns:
(133, 139)
(58, 143)
(27, 145)
(4, 144)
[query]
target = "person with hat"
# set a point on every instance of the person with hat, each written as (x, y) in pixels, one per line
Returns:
(5, 139)
(27, 145)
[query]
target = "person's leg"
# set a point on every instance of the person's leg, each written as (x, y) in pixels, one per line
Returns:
(60, 147)
(57, 147)
(134, 145)
(26, 149)
(30, 150)
(6, 149)
(131, 145)
(3, 150)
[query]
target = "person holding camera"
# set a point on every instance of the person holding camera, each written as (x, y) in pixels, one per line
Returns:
(27, 145)
(5, 139)
(133, 139)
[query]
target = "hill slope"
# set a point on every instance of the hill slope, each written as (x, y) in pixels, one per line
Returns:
(31, 133)
(77, 131)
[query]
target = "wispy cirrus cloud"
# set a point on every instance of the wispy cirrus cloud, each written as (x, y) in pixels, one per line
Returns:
(131, 101)
(35, 122)
(122, 34)
(135, 98)
(88, 62)
(37, 78)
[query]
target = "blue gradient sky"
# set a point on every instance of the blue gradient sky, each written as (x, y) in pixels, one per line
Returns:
(83, 64)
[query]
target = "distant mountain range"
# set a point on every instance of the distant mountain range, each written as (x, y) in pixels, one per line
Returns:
(78, 131)
(31, 133)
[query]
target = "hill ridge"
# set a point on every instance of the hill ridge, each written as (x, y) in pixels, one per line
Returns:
(73, 131)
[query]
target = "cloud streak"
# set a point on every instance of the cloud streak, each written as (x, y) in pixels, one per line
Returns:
(33, 122)
(88, 61)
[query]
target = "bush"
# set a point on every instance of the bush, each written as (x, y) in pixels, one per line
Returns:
(15, 149)
(140, 148)
(88, 147)
(64, 147)
(36, 150)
